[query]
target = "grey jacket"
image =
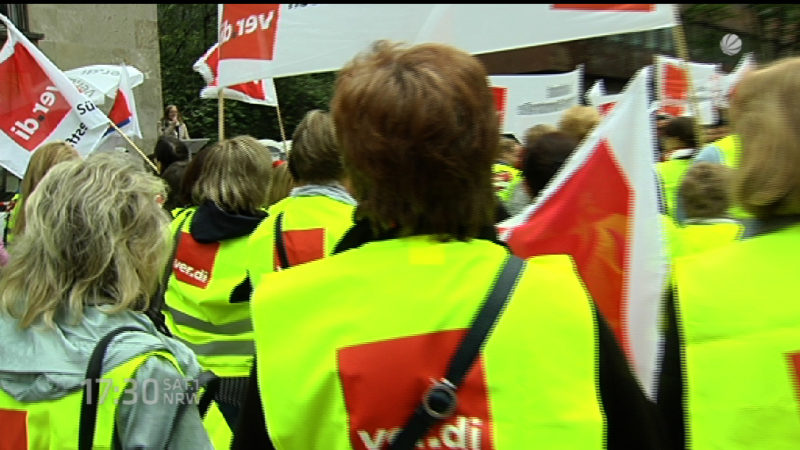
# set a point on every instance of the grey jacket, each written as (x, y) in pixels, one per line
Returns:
(39, 363)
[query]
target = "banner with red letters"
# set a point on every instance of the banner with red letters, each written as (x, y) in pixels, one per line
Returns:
(270, 40)
(39, 104)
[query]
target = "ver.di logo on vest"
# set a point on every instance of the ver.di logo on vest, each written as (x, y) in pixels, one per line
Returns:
(384, 381)
(194, 261)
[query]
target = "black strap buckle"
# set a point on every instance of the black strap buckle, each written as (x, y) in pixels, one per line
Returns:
(440, 400)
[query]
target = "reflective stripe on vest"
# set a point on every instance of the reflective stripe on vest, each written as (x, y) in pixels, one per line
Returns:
(740, 321)
(698, 238)
(360, 335)
(312, 226)
(672, 173)
(54, 424)
(197, 307)
(506, 179)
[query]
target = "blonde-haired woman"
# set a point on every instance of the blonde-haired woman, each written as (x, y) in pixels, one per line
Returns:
(42, 160)
(206, 300)
(87, 263)
(737, 305)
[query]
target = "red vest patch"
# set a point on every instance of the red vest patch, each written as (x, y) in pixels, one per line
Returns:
(794, 370)
(194, 261)
(30, 105)
(302, 246)
(384, 382)
(13, 429)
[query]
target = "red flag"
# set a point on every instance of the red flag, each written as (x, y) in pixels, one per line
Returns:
(259, 92)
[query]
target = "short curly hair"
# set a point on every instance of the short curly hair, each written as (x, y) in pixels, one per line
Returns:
(705, 190)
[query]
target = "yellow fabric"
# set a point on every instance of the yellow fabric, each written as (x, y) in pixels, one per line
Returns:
(226, 353)
(503, 188)
(672, 173)
(731, 148)
(55, 424)
(740, 321)
(300, 213)
(218, 430)
(12, 216)
(697, 238)
(540, 362)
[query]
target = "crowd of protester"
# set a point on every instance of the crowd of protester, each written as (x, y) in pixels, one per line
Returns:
(337, 299)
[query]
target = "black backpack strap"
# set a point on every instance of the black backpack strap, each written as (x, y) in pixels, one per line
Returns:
(157, 302)
(211, 382)
(283, 257)
(440, 400)
(91, 389)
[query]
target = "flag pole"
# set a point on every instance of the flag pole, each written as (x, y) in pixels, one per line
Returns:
(280, 125)
(683, 54)
(130, 142)
(221, 118)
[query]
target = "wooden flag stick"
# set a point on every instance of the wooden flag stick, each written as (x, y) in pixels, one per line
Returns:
(280, 125)
(221, 118)
(683, 54)
(130, 142)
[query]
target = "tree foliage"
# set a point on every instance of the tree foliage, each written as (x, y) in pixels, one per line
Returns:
(186, 31)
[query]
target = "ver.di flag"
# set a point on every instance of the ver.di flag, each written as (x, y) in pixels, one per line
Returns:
(596, 96)
(38, 104)
(277, 40)
(601, 208)
(100, 81)
(673, 87)
(257, 92)
(123, 114)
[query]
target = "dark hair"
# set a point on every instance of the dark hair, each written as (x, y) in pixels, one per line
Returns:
(418, 131)
(192, 173)
(705, 190)
(544, 157)
(168, 150)
(682, 128)
(315, 156)
(173, 176)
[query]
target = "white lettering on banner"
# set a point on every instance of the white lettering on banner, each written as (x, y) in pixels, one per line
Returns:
(26, 128)
(462, 433)
(199, 275)
(246, 25)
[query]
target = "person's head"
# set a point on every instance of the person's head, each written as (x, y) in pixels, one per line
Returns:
(96, 234)
(544, 158)
(281, 185)
(578, 121)
(42, 160)
(765, 112)
(418, 131)
(171, 113)
(234, 175)
(508, 150)
(315, 156)
(535, 132)
(173, 176)
(679, 133)
(705, 190)
(168, 150)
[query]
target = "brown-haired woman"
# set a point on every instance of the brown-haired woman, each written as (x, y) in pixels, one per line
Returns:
(734, 359)
(364, 333)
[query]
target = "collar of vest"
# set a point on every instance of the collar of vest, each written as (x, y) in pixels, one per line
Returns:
(362, 232)
(755, 227)
(212, 224)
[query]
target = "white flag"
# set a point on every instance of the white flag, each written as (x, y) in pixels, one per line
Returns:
(123, 114)
(258, 92)
(39, 104)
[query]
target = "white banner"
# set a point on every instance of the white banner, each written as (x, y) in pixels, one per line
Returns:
(673, 91)
(270, 41)
(39, 104)
(101, 80)
(529, 100)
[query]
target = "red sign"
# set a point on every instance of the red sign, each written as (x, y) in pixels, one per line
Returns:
(500, 100)
(598, 7)
(13, 429)
(248, 31)
(676, 89)
(31, 107)
(596, 231)
(194, 261)
(303, 246)
(384, 382)
(254, 89)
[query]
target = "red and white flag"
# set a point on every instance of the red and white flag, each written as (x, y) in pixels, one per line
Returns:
(123, 114)
(278, 40)
(39, 104)
(673, 87)
(596, 96)
(602, 209)
(258, 92)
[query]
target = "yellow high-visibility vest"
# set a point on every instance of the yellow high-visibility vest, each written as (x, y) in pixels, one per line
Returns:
(697, 238)
(506, 179)
(312, 226)
(54, 424)
(672, 172)
(347, 345)
(740, 320)
(197, 309)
